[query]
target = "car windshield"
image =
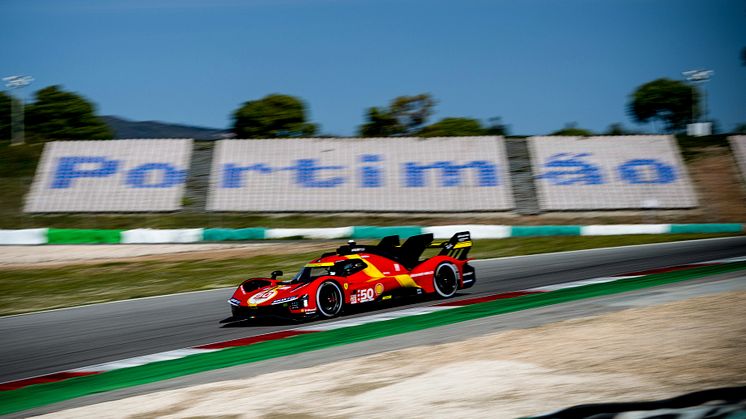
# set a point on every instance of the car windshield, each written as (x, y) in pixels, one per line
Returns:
(309, 273)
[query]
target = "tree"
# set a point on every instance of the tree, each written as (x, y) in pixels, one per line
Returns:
(405, 115)
(740, 128)
(571, 130)
(6, 108)
(273, 116)
(617, 129)
(59, 115)
(670, 101)
(381, 123)
(450, 127)
(496, 127)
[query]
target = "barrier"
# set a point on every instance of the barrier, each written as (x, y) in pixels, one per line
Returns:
(478, 231)
(738, 147)
(360, 174)
(706, 228)
(147, 235)
(110, 176)
(535, 231)
(230, 234)
(309, 233)
(83, 236)
(616, 229)
(374, 232)
(594, 173)
(24, 236)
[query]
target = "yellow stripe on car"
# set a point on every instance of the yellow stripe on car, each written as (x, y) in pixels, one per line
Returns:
(317, 265)
(375, 274)
(406, 281)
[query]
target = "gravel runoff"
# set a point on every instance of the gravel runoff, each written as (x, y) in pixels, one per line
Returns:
(660, 348)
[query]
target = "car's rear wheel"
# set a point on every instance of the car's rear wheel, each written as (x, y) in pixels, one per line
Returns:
(445, 280)
(329, 299)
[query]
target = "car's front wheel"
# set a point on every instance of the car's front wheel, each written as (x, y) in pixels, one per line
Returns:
(445, 280)
(329, 299)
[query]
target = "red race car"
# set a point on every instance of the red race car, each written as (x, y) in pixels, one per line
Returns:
(359, 274)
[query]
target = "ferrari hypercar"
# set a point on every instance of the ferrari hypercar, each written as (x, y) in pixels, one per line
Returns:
(359, 274)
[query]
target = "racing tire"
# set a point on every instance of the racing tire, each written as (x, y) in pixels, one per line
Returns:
(329, 299)
(445, 280)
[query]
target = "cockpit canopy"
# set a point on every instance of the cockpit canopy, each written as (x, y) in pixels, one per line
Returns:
(345, 267)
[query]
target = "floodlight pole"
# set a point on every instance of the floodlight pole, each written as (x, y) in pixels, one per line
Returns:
(699, 77)
(16, 117)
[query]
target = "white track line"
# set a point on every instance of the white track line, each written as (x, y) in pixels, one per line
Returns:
(142, 360)
(373, 318)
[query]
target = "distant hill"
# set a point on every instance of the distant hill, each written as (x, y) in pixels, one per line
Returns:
(124, 128)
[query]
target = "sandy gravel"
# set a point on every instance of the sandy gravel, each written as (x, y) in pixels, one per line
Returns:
(642, 353)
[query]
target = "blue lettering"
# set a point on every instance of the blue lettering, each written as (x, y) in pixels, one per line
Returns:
(232, 173)
(370, 176)
(647, 171)
(414, 173)
(306, 174)
(137, 177)
(67, 169)
(571, 170)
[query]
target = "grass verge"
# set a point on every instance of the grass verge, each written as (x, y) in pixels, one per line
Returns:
(25, 290)
(43, 394)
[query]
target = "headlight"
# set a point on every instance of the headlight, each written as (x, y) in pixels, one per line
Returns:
(284, 300)
(234, 302)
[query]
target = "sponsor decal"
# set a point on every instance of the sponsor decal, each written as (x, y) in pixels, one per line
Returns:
(379, 289)
(346, 285)
(421, 274)
(263, 296)
(396, 266)
(362, 296)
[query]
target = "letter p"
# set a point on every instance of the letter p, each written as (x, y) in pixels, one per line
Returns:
(68, 169)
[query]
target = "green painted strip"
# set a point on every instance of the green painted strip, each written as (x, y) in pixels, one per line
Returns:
(527, 231)
(229, 234)
(83, 236)
(707, 228)
(43, 394)
(373, 232)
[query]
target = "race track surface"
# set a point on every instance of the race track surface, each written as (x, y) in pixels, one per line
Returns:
(52, 341)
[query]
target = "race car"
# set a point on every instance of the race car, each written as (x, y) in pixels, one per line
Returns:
(359, 274)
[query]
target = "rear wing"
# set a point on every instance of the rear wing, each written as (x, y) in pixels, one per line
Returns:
(456, 247)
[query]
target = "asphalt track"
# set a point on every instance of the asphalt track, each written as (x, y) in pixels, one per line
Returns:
(52, 341)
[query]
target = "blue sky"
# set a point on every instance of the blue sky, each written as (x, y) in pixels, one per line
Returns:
(538, 64)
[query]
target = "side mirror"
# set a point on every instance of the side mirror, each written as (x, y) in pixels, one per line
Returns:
(275, 274)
